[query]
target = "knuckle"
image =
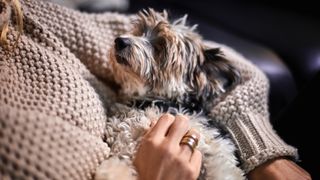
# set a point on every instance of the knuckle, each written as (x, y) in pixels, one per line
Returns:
(186, 167)
(168, 156)
(149, 135)
(167, 152)
(149, 141)
(182, 164)
(194, 176)
(191, 173)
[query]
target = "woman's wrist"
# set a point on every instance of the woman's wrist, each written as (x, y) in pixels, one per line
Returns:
(279, 168)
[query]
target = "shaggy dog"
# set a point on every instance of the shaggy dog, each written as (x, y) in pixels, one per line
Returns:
(160, 67)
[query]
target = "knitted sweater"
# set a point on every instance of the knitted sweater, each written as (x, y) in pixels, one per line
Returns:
(53, 97)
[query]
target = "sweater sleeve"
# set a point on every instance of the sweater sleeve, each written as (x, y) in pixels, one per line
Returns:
(88, 36)
(38, 146)
(244, 113)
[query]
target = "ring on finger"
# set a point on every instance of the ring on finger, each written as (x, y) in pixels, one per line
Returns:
(190, 140)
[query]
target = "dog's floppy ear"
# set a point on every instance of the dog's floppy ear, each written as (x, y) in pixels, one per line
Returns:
(218, 68)
(220, 74)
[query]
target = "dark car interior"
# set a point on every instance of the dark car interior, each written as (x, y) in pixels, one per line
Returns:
(282, 39)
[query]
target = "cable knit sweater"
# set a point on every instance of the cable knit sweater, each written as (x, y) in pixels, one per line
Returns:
(53, 100)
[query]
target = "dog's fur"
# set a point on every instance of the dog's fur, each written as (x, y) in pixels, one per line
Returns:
(167, 62)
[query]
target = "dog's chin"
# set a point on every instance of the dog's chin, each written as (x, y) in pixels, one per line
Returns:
(122, 60)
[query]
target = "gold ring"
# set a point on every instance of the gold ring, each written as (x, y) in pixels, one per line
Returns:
(190, 140)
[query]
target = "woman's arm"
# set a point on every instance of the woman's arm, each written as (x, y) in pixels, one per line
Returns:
(35, 145)
(244, 113)
(277, 169)
(88, 36)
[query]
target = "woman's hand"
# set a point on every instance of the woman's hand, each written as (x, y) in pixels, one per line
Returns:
(160, 155)
(279, 169)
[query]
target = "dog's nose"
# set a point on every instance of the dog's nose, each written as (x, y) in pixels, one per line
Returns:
(121, 43)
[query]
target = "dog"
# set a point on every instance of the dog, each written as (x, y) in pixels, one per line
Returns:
(163, 66)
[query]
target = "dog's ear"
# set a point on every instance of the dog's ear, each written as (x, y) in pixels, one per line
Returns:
(217, 67)
(217, 74)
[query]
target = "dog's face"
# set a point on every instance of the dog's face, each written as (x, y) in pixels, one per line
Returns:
(159, 58)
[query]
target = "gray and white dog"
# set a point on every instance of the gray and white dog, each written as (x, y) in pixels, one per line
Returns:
(162, 66)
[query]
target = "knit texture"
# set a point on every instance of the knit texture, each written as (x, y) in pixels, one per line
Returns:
(53, 100)
(244, 114)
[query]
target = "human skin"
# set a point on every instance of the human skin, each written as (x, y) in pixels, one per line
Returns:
(279, 169)
(160, 154)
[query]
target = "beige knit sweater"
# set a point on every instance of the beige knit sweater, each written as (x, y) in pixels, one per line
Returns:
(53, 99)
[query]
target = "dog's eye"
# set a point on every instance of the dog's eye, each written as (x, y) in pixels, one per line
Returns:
(157, 49)
(158, 45)
(137, 32)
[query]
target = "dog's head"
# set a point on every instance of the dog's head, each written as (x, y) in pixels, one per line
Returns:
(159, 58)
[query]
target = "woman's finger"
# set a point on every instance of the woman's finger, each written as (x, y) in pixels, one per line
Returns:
(196, 159)
(178, 129)
(161, 127)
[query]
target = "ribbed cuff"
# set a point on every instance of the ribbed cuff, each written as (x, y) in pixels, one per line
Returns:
(267, 154)
(256, 140)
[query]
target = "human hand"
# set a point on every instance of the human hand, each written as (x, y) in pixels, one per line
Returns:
(160, 155)
(279, 169)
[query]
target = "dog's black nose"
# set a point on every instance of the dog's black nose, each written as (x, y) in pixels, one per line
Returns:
(121, 43)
